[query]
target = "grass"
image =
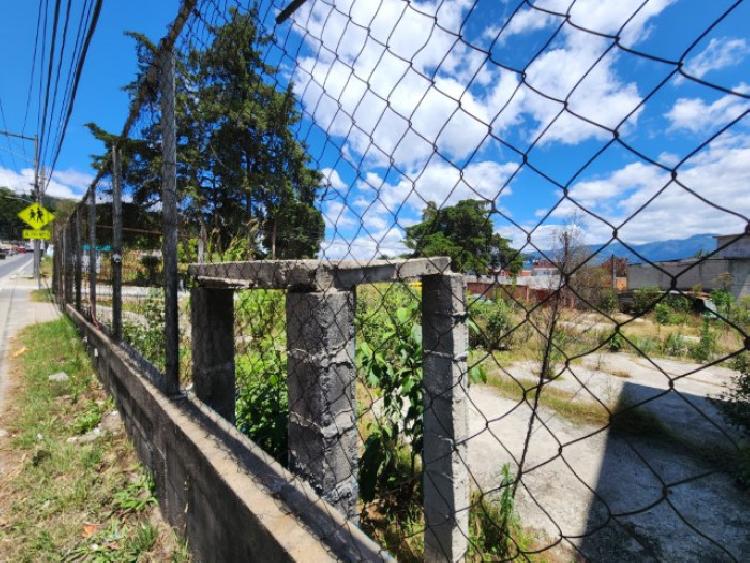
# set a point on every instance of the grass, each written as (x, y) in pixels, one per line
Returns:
(43, 295)
(565, 403)
(71, 501)
(45, 266)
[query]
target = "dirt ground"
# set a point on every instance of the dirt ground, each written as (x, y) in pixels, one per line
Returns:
(655, 493)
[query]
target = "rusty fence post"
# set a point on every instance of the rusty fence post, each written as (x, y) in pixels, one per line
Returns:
(169, 217)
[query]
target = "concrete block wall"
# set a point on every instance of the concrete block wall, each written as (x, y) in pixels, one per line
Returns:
(226, 497)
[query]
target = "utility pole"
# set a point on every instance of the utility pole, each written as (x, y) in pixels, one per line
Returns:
(37, 193)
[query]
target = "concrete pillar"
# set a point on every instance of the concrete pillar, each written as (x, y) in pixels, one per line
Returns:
(446, 475)
(321, 382)
(212, 341)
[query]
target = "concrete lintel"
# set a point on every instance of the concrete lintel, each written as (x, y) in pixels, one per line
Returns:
(314, 275)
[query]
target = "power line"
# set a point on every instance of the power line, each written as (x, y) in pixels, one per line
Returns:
(59, 69)
(7, 138)
(74, 91)
(50, 63)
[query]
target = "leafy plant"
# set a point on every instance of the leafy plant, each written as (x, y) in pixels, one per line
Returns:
(394, 366)
(662, 313)
(262, 408)
(494, 527)
(87, 418)
(136, 495)
(616, 342)
(148, 337)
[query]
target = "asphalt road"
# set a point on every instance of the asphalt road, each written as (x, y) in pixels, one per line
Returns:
(12, 263)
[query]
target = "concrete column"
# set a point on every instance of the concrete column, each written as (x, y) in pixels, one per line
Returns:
(212, 320)
(321, 383)
(446, 476)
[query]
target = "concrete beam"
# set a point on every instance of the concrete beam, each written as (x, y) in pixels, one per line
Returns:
(313, 275)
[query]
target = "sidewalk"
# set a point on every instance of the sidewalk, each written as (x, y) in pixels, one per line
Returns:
(17, 311)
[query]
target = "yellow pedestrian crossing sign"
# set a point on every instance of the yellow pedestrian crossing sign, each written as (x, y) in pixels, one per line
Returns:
(36, 216)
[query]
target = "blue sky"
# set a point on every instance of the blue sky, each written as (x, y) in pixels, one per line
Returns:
(110, 64)
(383, 122)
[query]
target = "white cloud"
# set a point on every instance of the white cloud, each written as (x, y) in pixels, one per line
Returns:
(721, 53)
(70, 183)
(696, 115)
(337, 216)
(332, 178)
(718, 174)
(381, 91)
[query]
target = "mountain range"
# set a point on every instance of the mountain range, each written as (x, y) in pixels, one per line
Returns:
(673, 249)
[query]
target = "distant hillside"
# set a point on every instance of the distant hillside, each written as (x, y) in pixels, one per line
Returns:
(665, 249)
(659, 250)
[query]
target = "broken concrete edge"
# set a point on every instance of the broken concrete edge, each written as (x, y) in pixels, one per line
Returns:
(314, 275)
(221, 492)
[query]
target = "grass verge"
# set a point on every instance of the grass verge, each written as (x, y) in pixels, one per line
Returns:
(564, 403)
(62, 500)
(43, 295)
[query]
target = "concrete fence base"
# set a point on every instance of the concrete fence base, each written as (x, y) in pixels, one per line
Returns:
(225, 496)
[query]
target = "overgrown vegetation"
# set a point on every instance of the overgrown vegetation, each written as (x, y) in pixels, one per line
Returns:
(68, 501)
(262, 409)
(495, 531)
(735, 404)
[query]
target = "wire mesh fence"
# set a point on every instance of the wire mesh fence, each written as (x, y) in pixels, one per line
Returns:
(327, 168)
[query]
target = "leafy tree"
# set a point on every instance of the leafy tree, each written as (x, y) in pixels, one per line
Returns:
(464, 232)
(10, 224)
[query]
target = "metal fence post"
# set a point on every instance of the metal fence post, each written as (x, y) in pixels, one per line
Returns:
(169, 216)
(116, 244)
(92, 251)
(321, 384)
(446, 477)
(78, 264)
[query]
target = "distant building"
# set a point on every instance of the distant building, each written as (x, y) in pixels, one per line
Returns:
(729, 267)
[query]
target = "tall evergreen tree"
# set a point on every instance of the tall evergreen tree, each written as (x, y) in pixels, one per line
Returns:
(242, 175)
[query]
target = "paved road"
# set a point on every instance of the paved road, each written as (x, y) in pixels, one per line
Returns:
(9, 265)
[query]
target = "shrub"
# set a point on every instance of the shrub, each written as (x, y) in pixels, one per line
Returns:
(393, 363)
(616, 342)
(608, 301)
(735, 405)
(489, 324)
(662, 313)
(644, 299)
(675, 345)
(706, 347)
(645, 345)
(148, 337)
(723, 301)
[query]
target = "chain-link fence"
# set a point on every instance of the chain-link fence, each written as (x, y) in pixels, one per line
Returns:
(408, 249)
